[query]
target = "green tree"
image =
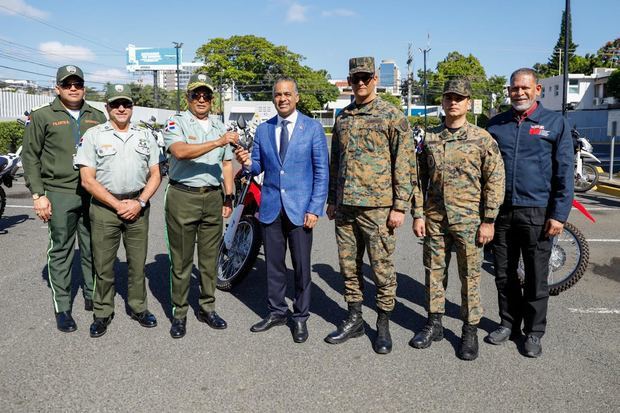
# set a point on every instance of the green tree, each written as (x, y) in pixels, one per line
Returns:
(609, 54)
(557, 56)
(613, 84)
(394, 100)
(94, 94)
(253, 63)
(11, 134)
(496, 86)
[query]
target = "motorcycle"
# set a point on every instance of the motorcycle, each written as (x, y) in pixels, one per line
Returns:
(151, 125)
(570, 255)
(242, 238)
(9, 164)
(586, 174)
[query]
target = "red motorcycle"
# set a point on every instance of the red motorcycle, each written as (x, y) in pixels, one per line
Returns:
(242, 238)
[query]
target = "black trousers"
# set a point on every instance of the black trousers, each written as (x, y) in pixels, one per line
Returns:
(520, 231)
(299, 239)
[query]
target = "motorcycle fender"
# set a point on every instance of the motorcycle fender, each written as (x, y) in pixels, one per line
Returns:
(589, 155)
(233, 223)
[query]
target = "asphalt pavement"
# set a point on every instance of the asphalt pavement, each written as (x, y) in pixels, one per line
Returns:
(136, 369)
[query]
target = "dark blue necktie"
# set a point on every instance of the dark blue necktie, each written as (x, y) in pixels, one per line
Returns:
(283, 139)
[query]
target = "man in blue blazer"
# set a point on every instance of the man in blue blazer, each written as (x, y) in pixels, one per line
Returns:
(291, 149)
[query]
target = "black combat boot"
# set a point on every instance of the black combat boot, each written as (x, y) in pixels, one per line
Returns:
(468, 348)
(352, 326)
(383, 342)
(432, 331)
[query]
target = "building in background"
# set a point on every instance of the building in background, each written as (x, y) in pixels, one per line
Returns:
(389, 77)
(585, 92)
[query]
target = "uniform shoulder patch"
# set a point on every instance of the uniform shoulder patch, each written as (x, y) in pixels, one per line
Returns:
(40, 106)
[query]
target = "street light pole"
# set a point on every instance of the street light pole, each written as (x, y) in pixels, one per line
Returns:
(565, 74)
(178, 46)
(425, 51)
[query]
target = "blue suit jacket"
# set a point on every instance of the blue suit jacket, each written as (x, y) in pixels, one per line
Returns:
(300, 183)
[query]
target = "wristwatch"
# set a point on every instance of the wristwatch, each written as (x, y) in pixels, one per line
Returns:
(229, 198)
(488, 220)
(142, 202)
(36, 196)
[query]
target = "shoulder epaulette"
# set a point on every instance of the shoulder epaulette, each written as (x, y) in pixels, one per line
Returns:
(40, 106)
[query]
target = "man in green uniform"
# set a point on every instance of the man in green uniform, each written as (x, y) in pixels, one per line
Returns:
(372, 176)
(201, 159)
(462, 176)
(50, 143)
(119, 167)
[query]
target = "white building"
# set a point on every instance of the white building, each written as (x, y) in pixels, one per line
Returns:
(389, 77)
(585, 92)
(167, 79)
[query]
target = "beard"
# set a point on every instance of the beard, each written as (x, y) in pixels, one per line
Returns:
(522, 106)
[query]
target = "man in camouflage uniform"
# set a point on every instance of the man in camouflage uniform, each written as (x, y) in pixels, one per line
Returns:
(50, 143)
(462, 176)
(372, 175)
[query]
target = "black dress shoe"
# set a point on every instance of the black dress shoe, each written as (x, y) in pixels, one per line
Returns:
(300, 332)
(177, 330)
(100, 325)
(266, 323)
(532, 347)
(212, 319)
(65, 323)
(88, 304)
(501, 335)
(145, 318)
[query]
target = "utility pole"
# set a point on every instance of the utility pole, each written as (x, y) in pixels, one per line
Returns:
(178, 46)
(409, 77)
(565, 74)
(155, 88)
(425, 51)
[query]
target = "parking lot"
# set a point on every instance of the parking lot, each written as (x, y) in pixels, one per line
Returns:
(136, 369)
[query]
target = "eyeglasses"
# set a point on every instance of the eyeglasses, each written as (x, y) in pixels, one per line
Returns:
(118, 103)
(198, 95)
(364, 77)
(69, 85)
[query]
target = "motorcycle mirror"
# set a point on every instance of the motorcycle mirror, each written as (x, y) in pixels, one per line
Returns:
(241, 122)
(26, 113)
(153, 119)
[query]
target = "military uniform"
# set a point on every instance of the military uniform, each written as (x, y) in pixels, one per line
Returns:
(193, 206)
(372, 171)
(122, 162)
(462, 176)
(50, 143)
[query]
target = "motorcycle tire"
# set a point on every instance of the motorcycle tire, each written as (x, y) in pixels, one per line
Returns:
(589, 180)
(233, 265)
(2, 201)
(570, 256)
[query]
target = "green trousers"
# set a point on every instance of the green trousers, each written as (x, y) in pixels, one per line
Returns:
(192, 218)
(69, 216)
(107, 231)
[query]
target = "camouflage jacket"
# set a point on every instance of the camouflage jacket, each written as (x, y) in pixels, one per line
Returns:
(461, 175)
(372, 157)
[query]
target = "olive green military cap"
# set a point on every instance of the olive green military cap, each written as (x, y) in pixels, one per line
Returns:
(199, 80)
(364, 64)
(68, 70)
(459, 86)
(115, 92)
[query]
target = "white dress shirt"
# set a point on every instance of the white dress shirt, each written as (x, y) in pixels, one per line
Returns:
(292, 119)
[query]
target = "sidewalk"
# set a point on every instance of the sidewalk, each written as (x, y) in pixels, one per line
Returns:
(608, 186)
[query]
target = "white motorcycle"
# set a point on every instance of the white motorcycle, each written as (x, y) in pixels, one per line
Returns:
(586, 174)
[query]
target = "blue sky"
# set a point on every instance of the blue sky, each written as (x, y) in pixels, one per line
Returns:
(503, 35)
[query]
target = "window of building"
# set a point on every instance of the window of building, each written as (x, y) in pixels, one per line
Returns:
(543, 92)
(573, 86)
(556, 90)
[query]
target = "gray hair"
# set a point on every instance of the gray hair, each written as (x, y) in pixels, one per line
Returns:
(524, 71)
(280, 79)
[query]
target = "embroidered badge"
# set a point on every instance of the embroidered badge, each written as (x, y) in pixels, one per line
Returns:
(538, 130)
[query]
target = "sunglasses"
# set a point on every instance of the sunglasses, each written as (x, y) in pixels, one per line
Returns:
(69, 85)
(198, 95)
(118, 103)
(364, 77)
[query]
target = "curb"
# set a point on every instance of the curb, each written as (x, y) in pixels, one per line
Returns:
(607, 188)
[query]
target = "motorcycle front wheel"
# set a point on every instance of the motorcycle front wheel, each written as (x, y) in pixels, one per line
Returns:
(235, 263)
(588, 178)
(569, 259)
(2, 201)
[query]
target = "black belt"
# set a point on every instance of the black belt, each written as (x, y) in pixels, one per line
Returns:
(199, 189)
(128, 195)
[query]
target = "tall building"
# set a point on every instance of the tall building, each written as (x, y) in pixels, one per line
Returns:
(389, 76)
(167, 79)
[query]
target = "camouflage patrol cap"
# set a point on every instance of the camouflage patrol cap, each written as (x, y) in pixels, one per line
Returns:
(116, 92)
(68, 70)
(199, 80)
(459, 86)
(364, 64)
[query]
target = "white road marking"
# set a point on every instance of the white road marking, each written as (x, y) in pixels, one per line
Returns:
(595, 310)
(601, 209)
(602, 240)
(20, 206)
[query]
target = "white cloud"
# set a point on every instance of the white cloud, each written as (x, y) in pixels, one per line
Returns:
(108, 75)
(296, 13)
(16, 7)
(338, 13)
(64, 53)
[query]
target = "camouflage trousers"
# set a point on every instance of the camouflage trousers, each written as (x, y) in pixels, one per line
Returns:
(440, 238)
(359, 229)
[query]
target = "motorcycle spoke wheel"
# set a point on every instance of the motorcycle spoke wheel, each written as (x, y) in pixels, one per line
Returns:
(2, 201)
(234, 263)
(587, 179)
